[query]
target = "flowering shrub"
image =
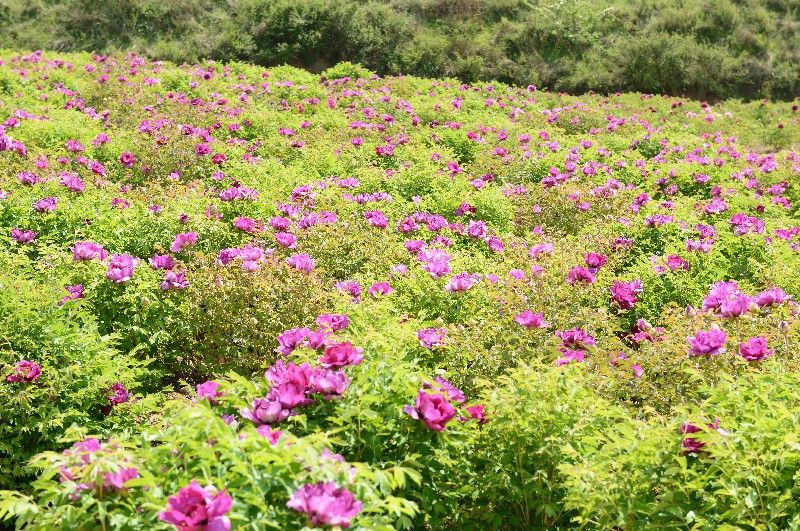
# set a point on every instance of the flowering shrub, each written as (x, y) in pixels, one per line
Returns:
(237, 297)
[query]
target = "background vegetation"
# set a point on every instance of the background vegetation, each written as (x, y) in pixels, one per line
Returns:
(709, 49)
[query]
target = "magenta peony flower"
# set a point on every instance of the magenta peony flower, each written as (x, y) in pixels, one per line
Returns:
(329, 383)
(127, 159)
(300, 375)
(162, 261)
(88, 251)
(462, 282)
(116, 480)
(736, 307)
(530, 319)
(710, 343)
(272, 436)
(623, 294)
(720, 292)
(453, 393)
(209, 390)
(570, 356)
(595, 261)
(25, 371)
(691, 444)
(174, 280)
(431, 337)
(325, 504)
(291, 339)
(771, 297)
(288, 240)
(580, 274)
(197, 509)
(433, 409)
(333, 322)
(341, 355)
(120, 268)
(301, 262)
(576, 338)
(23, 236)
(48, 204)
(183, 241)
(354, 289)
(476, 413)
(755, 349)
(379, 288)
(75, 292)
(267, 410)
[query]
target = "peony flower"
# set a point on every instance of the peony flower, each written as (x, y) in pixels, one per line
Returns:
(291, 339)
(333, 322)
(530, 319)
(476, 413)
(379, 288)
(301, 262)
(325, 504)
(183, 241)
(755, 349)
(341, 355)
(433, 409)
(736, 307)
(576, 338)
(267, 410)
(88, 251)
(329, 383)
(272, 436)
(431, 337)
(569, 356)
(23, 236)
(623, 294)
(462, 282)
(209, 390)
(710, 343)
(120, 268)
(595, 261)
(25, 371)
(580, 274)
(198, 509)
(691, 444)
(174, 280)
(48, 204)
(162, 261)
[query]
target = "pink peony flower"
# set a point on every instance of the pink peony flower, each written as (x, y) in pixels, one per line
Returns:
(709, 343)
(325, 504)
(25, 371)
(198, 509)
(755, 349)
(433, 409)
(183, 241)
(341, 355)
(120, 268)
(530, 319)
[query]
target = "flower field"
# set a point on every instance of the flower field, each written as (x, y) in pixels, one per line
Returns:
(234, 297)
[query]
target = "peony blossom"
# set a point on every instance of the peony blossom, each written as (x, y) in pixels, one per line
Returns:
(341, 355)
(183, 241)
(530, 319)
(88, 251)
(709, 343)
(25, 371)
(755, 349)
(195, 508)
(325, 504)
(120, 268)
(431, 337)
(433, 409)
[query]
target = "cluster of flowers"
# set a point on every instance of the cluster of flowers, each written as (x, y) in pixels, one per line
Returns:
(434, 405)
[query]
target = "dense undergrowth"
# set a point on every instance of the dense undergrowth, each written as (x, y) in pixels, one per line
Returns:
(705, 49)
(238, 297)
